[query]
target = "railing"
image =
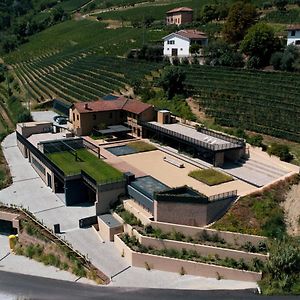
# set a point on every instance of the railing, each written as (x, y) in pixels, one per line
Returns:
(213, 147)
(222, 196)
(223, 136)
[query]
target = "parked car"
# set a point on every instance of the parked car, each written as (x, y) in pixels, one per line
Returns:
(61, 120)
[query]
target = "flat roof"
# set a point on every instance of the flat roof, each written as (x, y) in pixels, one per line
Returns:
(110, 221)
(148, 185)
(203, 139)
(115, 129)
(35, 139)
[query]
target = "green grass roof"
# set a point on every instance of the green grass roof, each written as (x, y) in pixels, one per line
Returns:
(89, 163)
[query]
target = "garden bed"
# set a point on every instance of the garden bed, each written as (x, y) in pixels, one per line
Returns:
(190, 256)
(210, 176)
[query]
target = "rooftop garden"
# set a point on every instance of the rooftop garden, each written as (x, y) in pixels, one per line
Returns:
(210, 176)
(72, 164)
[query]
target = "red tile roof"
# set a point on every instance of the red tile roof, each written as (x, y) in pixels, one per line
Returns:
(122, 103)
(192, 34)
(294, 27)
(179, 9)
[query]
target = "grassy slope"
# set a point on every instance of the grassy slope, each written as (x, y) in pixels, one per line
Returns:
(89, 163)
(260, 213)
(75, 36)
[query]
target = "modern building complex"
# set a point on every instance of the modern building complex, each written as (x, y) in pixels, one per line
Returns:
(293, 37)
(79, 170)
(180, 15)
(178, 44)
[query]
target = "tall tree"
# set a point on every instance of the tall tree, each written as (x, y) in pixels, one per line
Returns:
(240, 18)
(260, 43)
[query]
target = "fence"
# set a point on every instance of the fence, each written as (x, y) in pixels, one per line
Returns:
(221, 196)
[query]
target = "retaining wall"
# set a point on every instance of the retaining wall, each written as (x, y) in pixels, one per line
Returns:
(201, 249)
(167, 264)
(233, 238)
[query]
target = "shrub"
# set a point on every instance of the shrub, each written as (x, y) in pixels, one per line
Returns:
(280, 150)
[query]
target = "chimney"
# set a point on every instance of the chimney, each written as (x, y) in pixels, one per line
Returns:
(86, 106)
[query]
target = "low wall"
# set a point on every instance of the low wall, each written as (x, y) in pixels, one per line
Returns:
(11, 217)
(137, 213)
(167, 264)
(204, 250)
(233, 238)
(201, 249)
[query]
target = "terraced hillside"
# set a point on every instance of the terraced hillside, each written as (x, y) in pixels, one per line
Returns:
(259, 101)
(79, 77)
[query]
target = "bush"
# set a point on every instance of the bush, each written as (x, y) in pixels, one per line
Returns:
(280, 150)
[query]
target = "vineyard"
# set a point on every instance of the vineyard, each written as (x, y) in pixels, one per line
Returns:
(80, 77)
(259, 101)
(73, 37)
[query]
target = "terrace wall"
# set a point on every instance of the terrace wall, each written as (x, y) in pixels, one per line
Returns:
(201, 249)
(204, 250)
(233, 238)
(177, 265)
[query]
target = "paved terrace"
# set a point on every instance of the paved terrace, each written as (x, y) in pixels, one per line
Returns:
(191, 135)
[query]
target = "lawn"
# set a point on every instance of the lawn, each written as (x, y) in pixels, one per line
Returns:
(89, 163)
(141, 146)
(210, 176)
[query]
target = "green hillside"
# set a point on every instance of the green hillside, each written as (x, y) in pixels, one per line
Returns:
(72, 37)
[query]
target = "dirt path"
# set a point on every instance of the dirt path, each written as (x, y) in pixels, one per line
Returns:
(291, 207)
(196, 109)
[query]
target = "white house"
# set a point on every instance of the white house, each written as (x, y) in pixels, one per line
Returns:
(293, 37)
(178, 43)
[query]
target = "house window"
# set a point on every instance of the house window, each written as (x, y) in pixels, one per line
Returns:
(297, 42)
(168, 49)
(293, 32)
(181, 49)
(77, 117)
(73, 116)
(94, 117)
(171, 42)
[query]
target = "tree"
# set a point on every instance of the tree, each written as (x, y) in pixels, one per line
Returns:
(240, 17)
(219, 53)
(172, 81)
(260, 42)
